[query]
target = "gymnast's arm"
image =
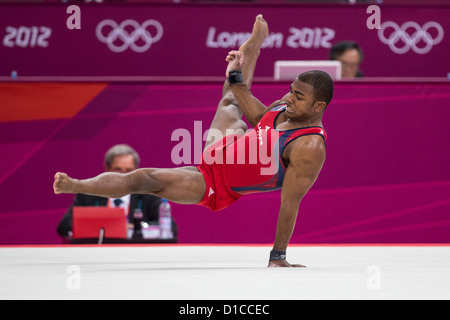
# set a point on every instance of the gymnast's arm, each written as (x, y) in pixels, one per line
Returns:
(306, 158)
(252, 108)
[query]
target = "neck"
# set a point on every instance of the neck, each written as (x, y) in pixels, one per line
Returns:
(311, 122)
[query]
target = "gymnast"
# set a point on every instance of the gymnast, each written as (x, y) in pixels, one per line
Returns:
(290, 129)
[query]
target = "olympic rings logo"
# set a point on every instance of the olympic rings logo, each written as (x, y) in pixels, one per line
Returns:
(129, 34)
(400, 40)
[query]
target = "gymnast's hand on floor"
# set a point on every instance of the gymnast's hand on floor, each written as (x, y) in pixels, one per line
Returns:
(283, 264)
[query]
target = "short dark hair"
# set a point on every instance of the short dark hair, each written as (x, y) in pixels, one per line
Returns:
(340, 47)
(321, 82)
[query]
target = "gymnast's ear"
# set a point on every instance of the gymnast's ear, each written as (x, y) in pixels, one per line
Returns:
(319, 106)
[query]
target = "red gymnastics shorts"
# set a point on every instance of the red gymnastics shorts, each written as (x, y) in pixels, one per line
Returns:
(218, 194)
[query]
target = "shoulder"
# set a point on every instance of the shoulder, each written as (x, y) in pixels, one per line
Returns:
(306, 158)
(309, 149)
(309, 141)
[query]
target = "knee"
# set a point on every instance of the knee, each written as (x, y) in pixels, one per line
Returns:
(228, 98)
(241, 126)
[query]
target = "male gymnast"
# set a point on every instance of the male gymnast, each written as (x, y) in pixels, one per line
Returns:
(291, 128)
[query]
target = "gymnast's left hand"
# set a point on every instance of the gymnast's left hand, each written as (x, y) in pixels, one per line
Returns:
(283, 264)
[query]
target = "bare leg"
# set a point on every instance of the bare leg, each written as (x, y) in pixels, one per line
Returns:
(228, 114)
(184, 185)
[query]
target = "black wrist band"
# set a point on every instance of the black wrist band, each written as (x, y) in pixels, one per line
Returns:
(235, 76)
(277, 255)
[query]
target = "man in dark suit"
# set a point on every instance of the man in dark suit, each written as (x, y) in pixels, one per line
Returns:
(122, 159)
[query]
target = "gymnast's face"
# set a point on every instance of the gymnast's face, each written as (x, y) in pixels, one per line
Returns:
(300, 102)
(122, 164)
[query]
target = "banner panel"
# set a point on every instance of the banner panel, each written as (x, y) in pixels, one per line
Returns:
(193, 40)
(385, 179)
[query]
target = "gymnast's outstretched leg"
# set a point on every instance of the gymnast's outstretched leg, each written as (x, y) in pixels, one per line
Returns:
(184, 185)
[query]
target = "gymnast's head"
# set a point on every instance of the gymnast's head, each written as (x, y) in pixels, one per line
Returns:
(322, 84)
(310, 94)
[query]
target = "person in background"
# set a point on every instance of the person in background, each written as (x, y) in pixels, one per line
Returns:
(120, 158)
(350, 54)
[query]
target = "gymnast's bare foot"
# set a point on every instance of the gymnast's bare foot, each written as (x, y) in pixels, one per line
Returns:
(252, 48)
(63, 183)
(259, 34)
